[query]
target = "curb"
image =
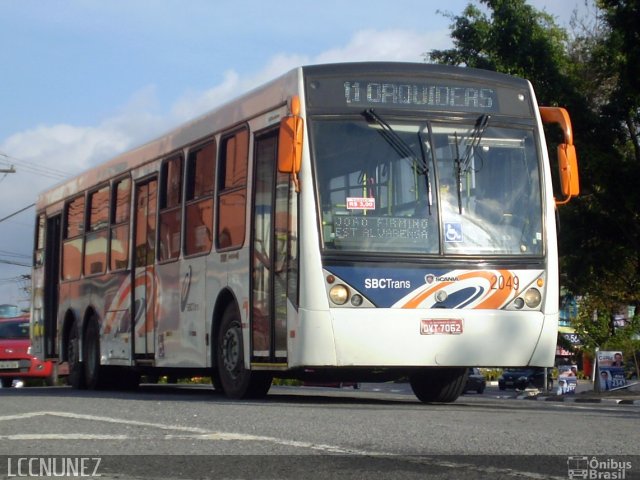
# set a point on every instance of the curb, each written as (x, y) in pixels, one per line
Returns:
(561, 399)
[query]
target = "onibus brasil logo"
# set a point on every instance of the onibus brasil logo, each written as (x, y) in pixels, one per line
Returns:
(596, 468)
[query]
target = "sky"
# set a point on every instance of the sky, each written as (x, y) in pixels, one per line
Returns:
(84, 80)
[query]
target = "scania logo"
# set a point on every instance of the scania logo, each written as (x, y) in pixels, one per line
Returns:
(430, 278)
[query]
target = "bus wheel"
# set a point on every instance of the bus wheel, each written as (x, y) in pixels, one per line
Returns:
(76, 376)
(52, 380)
(96, 376)
(438, 384)
(236, 381)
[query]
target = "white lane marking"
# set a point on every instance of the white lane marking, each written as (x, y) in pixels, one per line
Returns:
(63, 436)
(203, 434)
(195, 433)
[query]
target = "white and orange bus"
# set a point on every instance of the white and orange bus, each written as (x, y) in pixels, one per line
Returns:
(346, 222)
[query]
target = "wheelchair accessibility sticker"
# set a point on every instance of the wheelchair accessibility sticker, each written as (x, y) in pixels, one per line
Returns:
(453, 232)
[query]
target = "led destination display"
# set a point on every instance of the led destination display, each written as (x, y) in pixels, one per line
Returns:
(447, 97)
(437, 93)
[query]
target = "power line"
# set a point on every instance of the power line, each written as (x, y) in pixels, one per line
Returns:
(17, 264)
(6, 253)
(16, 213)
(35, 168)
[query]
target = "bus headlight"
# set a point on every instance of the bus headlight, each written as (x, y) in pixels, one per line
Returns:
(532, 298)
(339, 294)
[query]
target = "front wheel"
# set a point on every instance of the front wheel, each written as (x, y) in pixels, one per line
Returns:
(236, 381)
(443, 384)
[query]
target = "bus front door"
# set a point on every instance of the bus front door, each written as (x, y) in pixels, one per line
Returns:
(274, 254)
(144, 291)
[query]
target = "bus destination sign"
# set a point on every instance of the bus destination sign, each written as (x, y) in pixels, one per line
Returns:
(365, 93)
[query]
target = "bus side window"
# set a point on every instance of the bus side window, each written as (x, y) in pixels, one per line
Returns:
(232, 191)
(170, 209)
(95, 254)
(120, 213)
(38, 260)
(199, 200)
(73, 239)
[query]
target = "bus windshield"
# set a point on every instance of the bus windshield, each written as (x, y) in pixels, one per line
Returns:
(386, 185)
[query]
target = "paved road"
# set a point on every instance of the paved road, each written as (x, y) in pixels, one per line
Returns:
(192, 432)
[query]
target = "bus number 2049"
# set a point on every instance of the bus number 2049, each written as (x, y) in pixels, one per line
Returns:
(500, 282)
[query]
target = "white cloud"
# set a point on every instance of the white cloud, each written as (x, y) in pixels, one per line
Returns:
(366, 45)
(391, 45)
(73, 148)
(193, 104)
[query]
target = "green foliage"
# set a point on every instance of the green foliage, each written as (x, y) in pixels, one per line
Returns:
(491, 374)
(515, 39)
(595, 74)
(289, 382)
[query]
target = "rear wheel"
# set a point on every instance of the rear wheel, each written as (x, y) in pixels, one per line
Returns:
(6, 382)
(96, 375)
(442, 385)
(236, 381)
(52, 380)
(76, 371)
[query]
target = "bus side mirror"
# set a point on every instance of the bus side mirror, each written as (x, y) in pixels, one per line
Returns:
(290, 141)
(568, 165)
(290, 144)
(567, 158)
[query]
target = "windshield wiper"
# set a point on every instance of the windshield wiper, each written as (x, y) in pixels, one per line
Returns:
(462, 165)
(425, 168)
(476, 138)
(403, 149)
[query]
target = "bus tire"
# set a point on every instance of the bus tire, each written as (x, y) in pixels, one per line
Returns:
(52, 380)
(96, 375)
(76, 376)
(438, 385)
(236, 381)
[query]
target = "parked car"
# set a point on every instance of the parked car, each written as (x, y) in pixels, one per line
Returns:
(16, 363)
(475, 381)
(524, 377)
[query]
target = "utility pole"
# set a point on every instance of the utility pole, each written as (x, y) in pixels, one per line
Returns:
(8, 170)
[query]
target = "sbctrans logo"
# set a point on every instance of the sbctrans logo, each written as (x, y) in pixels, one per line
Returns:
(585, 467)
(53, 467)
(386, 283)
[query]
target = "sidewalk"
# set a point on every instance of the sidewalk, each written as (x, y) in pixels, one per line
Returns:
(585, 394)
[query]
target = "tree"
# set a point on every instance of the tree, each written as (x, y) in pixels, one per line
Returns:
(516, 39)
(595, 73)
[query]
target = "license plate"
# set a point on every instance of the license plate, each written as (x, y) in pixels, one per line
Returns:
(446, 326)
(9, 365)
